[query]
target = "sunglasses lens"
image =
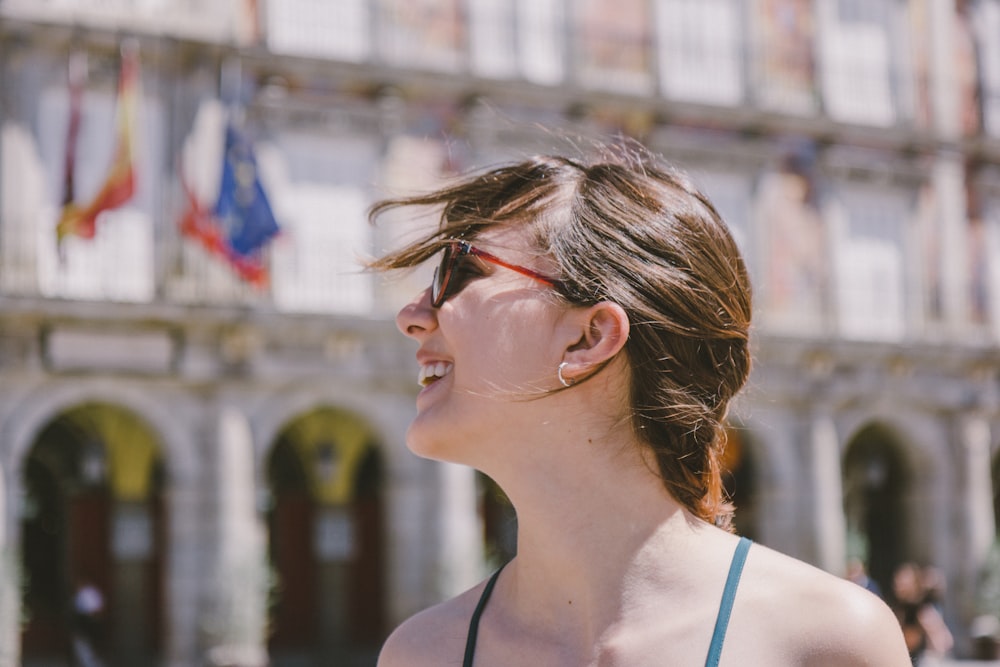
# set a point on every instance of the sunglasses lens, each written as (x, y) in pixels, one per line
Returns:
(442, 274)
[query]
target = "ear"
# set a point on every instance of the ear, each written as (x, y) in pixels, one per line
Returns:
(602, 331)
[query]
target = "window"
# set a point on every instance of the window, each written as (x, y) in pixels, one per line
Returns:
(613, 45)
(869, 261)
(700, 50)
(986, 22)
(321, 202)
(339, 30)
(857, 65)
(428, 34)
(491, 38)
(784, 62)
(541, 31)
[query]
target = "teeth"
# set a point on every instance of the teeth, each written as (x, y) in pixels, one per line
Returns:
(431, 372)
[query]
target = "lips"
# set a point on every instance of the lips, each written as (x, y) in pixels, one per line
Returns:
(433, 371)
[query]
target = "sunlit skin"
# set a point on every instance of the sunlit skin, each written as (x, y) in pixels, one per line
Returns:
(502, 334)
(611, 570)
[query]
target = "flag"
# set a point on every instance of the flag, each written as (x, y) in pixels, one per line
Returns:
(76, 76)
(119, 185)
(241, 223)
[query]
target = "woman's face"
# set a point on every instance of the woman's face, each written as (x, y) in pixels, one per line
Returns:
(494, 342)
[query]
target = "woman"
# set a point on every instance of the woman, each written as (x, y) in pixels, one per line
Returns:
(585, 331)
(914, 595)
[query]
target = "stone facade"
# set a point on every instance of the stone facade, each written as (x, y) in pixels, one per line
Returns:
(215, 456)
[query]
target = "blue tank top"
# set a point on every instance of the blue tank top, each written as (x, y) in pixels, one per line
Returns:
(721, 620)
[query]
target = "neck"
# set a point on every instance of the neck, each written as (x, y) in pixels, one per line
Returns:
(596, 528)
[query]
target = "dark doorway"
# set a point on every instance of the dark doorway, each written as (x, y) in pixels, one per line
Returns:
(876, 482)
(92, 521)
(326, 542)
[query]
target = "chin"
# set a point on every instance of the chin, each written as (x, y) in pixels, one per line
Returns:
(423, 444)
(428, 443)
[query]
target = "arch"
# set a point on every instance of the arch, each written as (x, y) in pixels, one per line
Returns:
(387, 418)
(918, 434)
(409, 476)
(324, 472)
(38, 407)
(25, 418)
(278, 408)
(879, 486)
(92, 531)
(925, 443)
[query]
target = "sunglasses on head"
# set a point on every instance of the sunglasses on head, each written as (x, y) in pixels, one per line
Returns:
(445, 285)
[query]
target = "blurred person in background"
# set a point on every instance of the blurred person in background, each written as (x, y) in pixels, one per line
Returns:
(858, 573)
(87, 612)
(915, 602)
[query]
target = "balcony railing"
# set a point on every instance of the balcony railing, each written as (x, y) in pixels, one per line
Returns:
(328, 147)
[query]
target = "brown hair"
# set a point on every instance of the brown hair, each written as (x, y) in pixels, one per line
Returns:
(627, 228)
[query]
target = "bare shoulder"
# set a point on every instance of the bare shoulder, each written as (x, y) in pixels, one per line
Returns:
(817, 618)
(435, 636)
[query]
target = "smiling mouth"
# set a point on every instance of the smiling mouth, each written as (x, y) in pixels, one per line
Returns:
(430, 373)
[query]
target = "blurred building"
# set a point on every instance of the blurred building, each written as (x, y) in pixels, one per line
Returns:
(223, 455)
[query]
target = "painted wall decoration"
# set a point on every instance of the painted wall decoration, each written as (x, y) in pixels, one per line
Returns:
(613, 47)
(783, 55)
(794, 266)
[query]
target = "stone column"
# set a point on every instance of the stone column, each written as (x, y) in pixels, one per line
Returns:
(460, 555)
(948, 174)
(188, 534)
(827, 488)
(976, 505)
(434, 539)
(10, 589)
(944, 84)
(949, 186)
(236, 615)
(408, 514)
(978, 489)
(777, 463)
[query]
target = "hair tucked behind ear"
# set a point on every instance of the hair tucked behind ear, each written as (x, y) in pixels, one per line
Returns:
(639, 234)
(628, 229)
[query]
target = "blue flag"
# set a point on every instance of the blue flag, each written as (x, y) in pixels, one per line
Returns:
(242, 209)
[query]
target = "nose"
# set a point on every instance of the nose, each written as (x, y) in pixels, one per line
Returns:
(417, 317)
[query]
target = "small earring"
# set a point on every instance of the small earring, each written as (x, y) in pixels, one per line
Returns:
(559, 372)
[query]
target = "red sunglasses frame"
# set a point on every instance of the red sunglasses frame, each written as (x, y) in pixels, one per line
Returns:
(453, 254)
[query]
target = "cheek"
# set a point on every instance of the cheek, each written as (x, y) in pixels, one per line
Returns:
(519, 357)
(506, 346)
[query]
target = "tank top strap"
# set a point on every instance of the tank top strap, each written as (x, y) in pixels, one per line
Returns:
(726, 607)
(721, 621)
(470, 641)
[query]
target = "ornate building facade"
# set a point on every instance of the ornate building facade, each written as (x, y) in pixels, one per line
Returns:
(225, 461)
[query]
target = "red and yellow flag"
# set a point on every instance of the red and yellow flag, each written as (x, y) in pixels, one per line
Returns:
(119, 186)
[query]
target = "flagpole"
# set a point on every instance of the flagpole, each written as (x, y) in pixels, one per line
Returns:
(77, 81)
(231, 87)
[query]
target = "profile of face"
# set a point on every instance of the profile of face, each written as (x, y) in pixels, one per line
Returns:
(523, 251)
(490, 343)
